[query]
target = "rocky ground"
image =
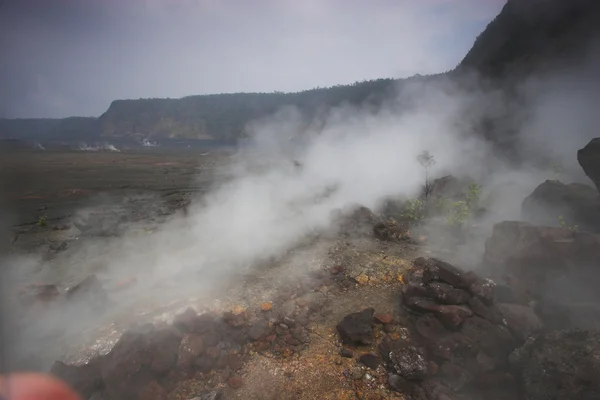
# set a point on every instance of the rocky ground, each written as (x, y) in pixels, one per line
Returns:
(370, 311)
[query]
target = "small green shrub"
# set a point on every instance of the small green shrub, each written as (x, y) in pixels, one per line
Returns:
(563, 224)
(42, 221)
(473, 195)
(414, 210)
(458, 213)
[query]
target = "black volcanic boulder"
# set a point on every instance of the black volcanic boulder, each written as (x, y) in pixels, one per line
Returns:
(589, 159)
(441, 271)
(84, 379)
(141, 356)
(357, 328)
(545, 263)
(559, 365)
(404, 359)
(520, 320)
(554, 202)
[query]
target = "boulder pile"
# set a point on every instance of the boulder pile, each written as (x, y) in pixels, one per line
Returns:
(463, 335)
(555, 268)
(470, 339)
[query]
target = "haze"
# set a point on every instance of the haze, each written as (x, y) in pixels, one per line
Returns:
(69, 57)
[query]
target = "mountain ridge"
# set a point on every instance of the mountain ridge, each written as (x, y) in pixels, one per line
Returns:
(526, 36)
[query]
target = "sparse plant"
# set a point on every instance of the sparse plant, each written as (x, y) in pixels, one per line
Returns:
(473, 195)
(42, 221)
(414, 210)
(427, 160)
(564, 224)
(458, 214)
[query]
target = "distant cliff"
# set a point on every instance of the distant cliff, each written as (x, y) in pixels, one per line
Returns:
(224, 116)
(527, 36)
(532, 35)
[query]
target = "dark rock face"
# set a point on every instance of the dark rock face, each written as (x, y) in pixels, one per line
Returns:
(447, 294)
(190, 348)
(354, 221)
(370, 360)
(402, 385)
(560, 365)
(578, 204)
(589, 159)
(441, 271)
(357, 328)
(84, 379)
(549, 265)
(521, 320)
(139, 357)
(470, 341)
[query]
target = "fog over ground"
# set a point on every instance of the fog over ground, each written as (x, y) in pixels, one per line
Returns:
(352, 155)
(355, 156)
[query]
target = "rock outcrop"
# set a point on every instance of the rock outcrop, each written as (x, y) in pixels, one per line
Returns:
(589, 159)
(461, 331)
(555, 267)
(559, 365)
(553, 203)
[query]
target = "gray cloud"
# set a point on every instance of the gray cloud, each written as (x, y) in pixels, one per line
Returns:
(68, 57)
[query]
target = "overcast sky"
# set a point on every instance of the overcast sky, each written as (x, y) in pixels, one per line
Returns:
(73, 57)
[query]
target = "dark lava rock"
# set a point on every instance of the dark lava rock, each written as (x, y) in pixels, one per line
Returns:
(577, 203)
(441, 271)
(453, 316)
(258, 330)
(84, 379)
(430, 328)
(455, 347)
(435, 390)
(491, 313)
(404, 386)
(420, 304)
(152, 391)
(140, 356)
(370, 360)
(454, 376)
(560, 365)
(506, 294)
(344, 352)
(236, 320)
(521, 320)
(211, 338)
(483, 289)
(538, 258)
(447, 294)
(494, 340)
(186, 321)
(404, 359)
(589, 159)
(190, 349)
(90, 291)
(357, 328)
